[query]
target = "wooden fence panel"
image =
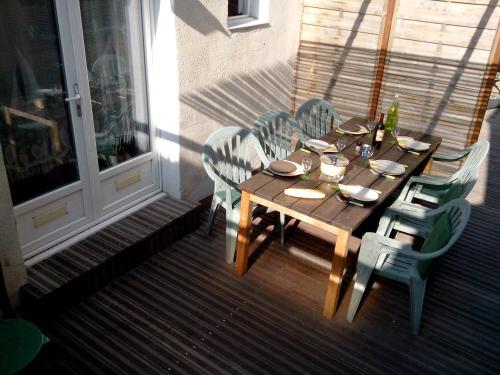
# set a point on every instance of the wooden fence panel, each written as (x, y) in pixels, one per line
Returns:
(338, 53)
(437, 55)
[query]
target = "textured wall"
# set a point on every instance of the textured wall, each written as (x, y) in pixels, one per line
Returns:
(229, 78)
(11, 259)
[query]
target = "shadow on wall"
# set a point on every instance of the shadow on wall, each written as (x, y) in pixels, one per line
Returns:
(234, 101)
(240, 99)
(196, 15)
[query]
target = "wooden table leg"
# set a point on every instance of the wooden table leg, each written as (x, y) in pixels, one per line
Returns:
(335, 278)
(428, 167)
(244, 229)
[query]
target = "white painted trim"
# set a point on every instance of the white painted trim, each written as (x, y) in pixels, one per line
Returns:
(258, 15)
(125, 166)
(47, 198)
(78, 235)
(164, 88)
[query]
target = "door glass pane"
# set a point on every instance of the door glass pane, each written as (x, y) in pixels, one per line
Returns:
(35, 127)
(114, 50)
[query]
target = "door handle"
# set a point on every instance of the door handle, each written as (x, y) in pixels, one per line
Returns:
(76, 99)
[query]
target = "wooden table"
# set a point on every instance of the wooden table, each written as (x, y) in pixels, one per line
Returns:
(330, 213)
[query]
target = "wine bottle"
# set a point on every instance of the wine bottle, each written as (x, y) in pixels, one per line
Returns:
(379, 135)
(392, 115)
(374, 134)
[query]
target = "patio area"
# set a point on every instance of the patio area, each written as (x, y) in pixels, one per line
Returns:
(120, 121)
(185, 311)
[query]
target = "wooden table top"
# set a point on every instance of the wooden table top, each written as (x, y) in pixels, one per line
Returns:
(331, 210)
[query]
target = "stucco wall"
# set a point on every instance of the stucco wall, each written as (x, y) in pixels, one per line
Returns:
(228, 78)
(11, 259)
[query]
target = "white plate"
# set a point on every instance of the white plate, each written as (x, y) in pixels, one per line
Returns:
(411, 144)
(359, 192)
(317, 144)
(387, 167)
(299, 170)
(360, 130)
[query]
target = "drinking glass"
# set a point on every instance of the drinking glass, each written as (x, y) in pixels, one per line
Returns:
(395, 133)
(306, 165)
(341, 143)
(371, 125)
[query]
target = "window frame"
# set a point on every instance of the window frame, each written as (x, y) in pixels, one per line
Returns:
(258, 14)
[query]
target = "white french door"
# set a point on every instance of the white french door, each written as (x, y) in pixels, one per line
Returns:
(75, 131)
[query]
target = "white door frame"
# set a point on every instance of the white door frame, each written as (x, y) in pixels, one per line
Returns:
(70, 30)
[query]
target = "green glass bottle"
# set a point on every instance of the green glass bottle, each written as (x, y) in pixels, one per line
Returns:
(392, 115)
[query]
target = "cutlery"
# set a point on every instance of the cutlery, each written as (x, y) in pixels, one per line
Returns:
(383, 174)
(409, 151)
(347, 200)
(265, 171)
(318, 152)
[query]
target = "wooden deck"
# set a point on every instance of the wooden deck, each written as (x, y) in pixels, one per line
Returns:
(184, 311)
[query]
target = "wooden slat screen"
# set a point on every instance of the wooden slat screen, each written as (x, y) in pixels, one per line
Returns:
(338, 53)
(437, 55)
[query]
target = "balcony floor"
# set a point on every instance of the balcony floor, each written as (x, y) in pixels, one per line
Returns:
(184, 311)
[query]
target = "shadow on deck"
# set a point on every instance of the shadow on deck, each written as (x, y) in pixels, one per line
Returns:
(184, 311)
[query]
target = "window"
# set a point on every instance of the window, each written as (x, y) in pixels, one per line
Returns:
(238, 8)
(247, 13)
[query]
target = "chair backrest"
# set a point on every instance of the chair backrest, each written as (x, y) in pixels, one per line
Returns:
(448, 226)
(468, 174)
(274, 130)
(231, 154)
(455, 191)
(315, 118)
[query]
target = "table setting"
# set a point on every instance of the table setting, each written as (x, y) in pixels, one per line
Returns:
(335, 183)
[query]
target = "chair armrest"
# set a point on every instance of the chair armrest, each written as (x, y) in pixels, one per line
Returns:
(450, 156)
(409, 190)
(426, 179)
(408, 210)
(387, 245)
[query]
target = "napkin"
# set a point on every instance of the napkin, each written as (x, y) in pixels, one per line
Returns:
(304, 193)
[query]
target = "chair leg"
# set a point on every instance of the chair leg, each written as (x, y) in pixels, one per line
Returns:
(211, 216)
(282, 228)
(232, 222)
(417, 293)
(364, 270)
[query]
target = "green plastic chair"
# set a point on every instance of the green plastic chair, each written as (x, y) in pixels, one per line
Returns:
(433, 188)
(229, 157)
(408, 225)
(275, 131)
(20, 340)
(396, 260)
(315, 118)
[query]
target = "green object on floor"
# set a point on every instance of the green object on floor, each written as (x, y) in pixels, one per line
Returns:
(433, 188)
(397, 261)
(275, 131)
(20, 340)
(228, 158)
(20, 343)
